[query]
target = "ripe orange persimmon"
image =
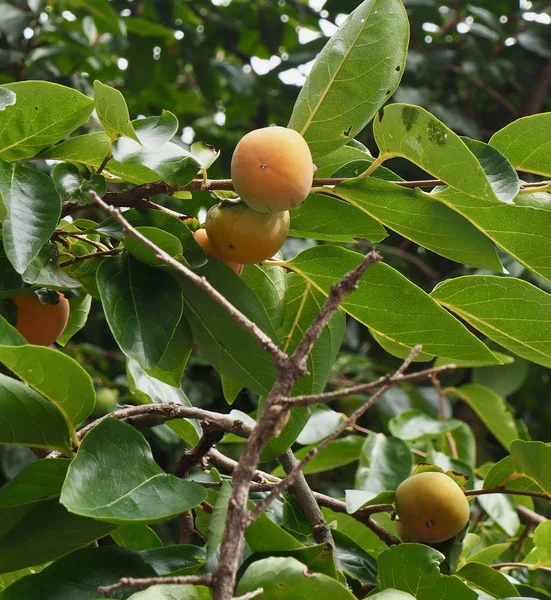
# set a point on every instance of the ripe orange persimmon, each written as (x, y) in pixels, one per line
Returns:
(202, 238)
(41, 324)
(272, 169)
(240, 234)
(431, 507)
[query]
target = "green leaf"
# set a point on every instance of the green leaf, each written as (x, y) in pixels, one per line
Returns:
(75, 188)
(30, 420)
(132, 295)
(501, 509)
(302, 304)
(498, 169)
(356, 499)
(414, 568)
(7, 98)
(384, 464)
(173, 592)
(336, 454)
(322, 422)
(6, 579)
(136, 537)
(391, 594)
(80, 308)
(154, 132)
(143, 494)
(414, 317)
(89, 149)
(358, 70)
(275, 447)
(488, 555)
(418, 217)
(525, 142)
(415, 425)
(520, 231)
(230, 388)
(264, 535)
(175, 560)
(164, 240)
(541, 553)
(225, 344)
(355, 561)
(492, 410)
(9, 334)
(504, 380)
(33, 209)
(146, 27)
(488, 580)
(415, 134)
(322, 217)
(170, 162)
(532, 459)
(146, 388)
(288, 579)
(269, 283)
(513, 313)
(46, 533)
(217, 521)
(77, 576)
(112, 112)
(105, 16)
(42, 114)
(54, 375)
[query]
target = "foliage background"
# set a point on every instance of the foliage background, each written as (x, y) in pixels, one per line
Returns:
(225, 67)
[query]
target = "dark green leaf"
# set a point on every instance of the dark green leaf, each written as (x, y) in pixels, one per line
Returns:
(113, 112)
(136, 537)
(488, 580)
(384, 464)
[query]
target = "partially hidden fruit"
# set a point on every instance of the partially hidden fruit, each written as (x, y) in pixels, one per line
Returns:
(41, 324)
(431, 507)
(202, 238)
(242, 235)
(272, 169)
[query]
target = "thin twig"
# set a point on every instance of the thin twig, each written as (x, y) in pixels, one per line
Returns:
(502, 490)
(250, 595)
(529, 516)
(97, 254)
(125, 582)
(519, 565)
(82, 238)
(278, 356)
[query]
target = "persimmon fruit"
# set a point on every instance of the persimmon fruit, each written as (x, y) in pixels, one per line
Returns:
(202, 238)
(242, 235)
(272, 169)
(41, 324)
(431, 507)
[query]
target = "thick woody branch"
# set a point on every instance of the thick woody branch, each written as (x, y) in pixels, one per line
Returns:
(126, 582)
(278, 356)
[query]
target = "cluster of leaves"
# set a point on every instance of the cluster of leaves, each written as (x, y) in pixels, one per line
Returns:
(481, 215)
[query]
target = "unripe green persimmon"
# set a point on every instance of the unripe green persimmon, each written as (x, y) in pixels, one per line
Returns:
(272, 169)
(431, 507)
(242, 235)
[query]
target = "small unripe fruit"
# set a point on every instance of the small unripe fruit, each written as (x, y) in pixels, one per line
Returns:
(41, 324)
(431, 507)
(202, 239)
(272, 169)
(242, 235)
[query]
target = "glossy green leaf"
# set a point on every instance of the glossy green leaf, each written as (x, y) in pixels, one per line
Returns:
(164, 240)
(356, 499)
(391, 594)
(43, 114)
(488, 580)
(6, 579)
(33, 209)
(520, 231)
(502, 510)
(264, 535)
(75, 188)
(488, 555)
(170, 162)
(492, 410)
(46, 533)
(505, 379)
(230, 388)
(112, 112)
(9, 334)
(7, 98)
(513, 313)
(89, 149)
(217, 521)
(414, 424)
(541, 554)
(146, 388)
(322, 422)
(225, 344)
(336, 454)
(414, 568)
(525, 142)
(327, 218)
(154, 132)
(384, 463)
(375, 36)
(415, 134)
(132, 295)
(77, 576)
(288, 579)
(80, 309)
(175, 560)
(390, 304)
(270, 286)
(355, 561)
(29, 419)
(532, 459)
(136, 537)
(143, 494)
(173, 592)
(54, 375)
(418, 217)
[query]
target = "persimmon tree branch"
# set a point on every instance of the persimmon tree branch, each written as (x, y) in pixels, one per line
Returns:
(503, 490)
(279, 357)
(126, 582)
